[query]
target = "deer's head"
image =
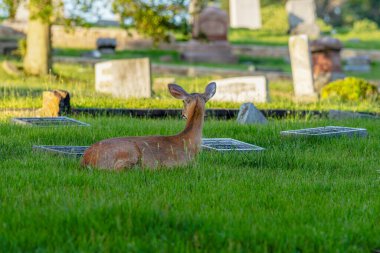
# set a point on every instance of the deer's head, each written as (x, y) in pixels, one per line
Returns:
(193, 99)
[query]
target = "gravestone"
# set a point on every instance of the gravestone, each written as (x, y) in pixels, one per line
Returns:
(358, 64)
(245, 14)
(124, 78)
(339, 115)
(326, 61)
(55, 103)
(328, 131)
(302, 17)
(249, 114)
(242, 89)
(228, 145)
(209, 43)
(106, 45)
(302, 70)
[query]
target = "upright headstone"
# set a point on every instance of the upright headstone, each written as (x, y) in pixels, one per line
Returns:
(326, 61)
(302, 17)
(106, 45)
(302, 69)
(249, 114)
(209, 43)
(124, 78)
(245, 14)
(243, 89)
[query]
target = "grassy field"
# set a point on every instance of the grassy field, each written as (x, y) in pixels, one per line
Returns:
(368, 40)
(26, 92)
(300, 195)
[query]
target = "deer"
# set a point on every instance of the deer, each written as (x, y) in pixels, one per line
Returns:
(156, 151)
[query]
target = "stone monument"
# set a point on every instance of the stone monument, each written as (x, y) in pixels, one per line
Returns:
(124, 78)
(301, 63)
(245, 14)
(209, 43)
(326, 61)
(302, 17)
(249, 114)
(242, 89)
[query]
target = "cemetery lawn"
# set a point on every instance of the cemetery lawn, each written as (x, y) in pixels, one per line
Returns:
(19, 92)
(367, 39)
(300, 195)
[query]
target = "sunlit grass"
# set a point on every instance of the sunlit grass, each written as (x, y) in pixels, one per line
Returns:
(309, 195)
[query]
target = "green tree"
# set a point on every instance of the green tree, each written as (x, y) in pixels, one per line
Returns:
(152, 18)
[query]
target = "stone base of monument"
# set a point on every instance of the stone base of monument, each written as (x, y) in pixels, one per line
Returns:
(212, 52)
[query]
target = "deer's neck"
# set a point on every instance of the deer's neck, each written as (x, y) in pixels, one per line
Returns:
(194, 125)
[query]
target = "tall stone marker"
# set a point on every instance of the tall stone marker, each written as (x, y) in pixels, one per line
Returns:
(245, 14)
(302, 17)
(302, 69)
(242, 89)
(124, 78)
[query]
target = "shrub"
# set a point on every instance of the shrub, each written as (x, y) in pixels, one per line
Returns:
(325, 28)
(364, 25)
(274, 19)
(350, 89)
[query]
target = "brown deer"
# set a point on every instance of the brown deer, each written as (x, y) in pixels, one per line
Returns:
(156, 151)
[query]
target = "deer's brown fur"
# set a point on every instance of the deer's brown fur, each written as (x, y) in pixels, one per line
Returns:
(155, 151)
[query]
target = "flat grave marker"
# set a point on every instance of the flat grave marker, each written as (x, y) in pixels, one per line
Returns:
(76, 151)
(328, 131)
(209, 144)
(49, 121)
(228, 145)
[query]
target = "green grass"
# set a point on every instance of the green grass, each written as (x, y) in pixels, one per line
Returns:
(300, 195)
(26, 92)
(277, 64)
(368, 40)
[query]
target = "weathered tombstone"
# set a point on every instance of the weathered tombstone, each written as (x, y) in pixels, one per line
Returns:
(106, 45)
(249, 114)
(11, 69)
(302, 73)
(209, 43)
(358, 64)
(124, 78)
(338, 115)
(55, 103)
(302, 17)
(245, 14)
(326, 61)
(243, 89)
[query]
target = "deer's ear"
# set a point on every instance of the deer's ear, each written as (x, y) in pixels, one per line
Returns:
(177, 91)
(210, 91)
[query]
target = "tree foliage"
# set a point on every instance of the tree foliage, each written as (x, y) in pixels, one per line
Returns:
(153, 18)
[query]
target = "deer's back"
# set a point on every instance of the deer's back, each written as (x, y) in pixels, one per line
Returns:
(152, 151)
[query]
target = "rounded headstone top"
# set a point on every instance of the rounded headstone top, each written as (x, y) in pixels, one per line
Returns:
(213, 23)
(325, 44)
